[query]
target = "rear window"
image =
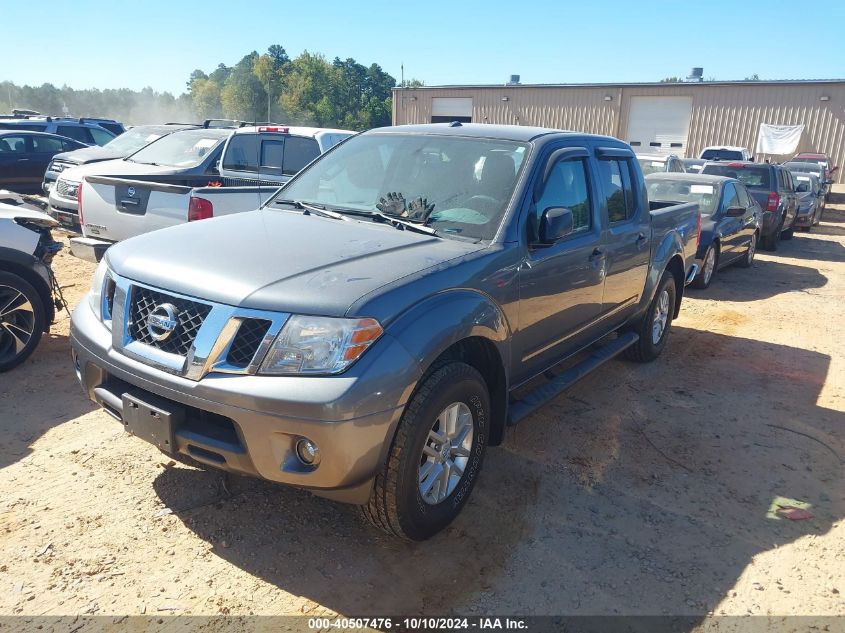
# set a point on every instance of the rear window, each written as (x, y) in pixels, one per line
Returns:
(757, 177)
(721, 154)
(704, 194)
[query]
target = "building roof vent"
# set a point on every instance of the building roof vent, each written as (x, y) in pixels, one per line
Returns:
(696, 74)
(513, 80)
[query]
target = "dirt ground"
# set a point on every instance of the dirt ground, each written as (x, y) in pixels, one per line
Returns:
(643, 490)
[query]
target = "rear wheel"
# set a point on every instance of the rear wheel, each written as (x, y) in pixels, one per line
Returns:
(708, 269)
(22, 320)
(748, 258)
(654, 325)
(435, 457)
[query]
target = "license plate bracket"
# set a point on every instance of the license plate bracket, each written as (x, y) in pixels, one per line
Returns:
(153, 419)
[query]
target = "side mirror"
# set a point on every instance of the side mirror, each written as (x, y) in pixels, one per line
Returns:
(555, 224)
(735, 212)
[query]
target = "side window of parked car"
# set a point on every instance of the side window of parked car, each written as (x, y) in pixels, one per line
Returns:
(744, 197)
(75, 132)
(46, 144)
(730, 198)
(568, 187)
(101, 137)
(242, 153)
(617, 184)
(299, 151)
(13, 144)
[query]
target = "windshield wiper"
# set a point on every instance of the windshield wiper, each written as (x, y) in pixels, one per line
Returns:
(397, 223)
(309, 208)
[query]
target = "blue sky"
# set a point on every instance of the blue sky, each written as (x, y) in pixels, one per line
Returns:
(110, 45)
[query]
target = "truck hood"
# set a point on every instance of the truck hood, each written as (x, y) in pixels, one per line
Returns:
(281, 260)
(86, 155)
(117, 167)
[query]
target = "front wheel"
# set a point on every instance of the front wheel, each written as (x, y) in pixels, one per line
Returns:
(435, 457)
(22, 320)
(654, 325)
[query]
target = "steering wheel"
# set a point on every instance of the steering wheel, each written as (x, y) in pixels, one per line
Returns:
(483, 203)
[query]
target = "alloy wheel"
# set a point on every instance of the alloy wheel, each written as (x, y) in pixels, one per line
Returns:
(661, 317)
(445, 453)
(17, 322)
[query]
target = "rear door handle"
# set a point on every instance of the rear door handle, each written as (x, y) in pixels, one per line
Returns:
(641, 239)
(596, 254)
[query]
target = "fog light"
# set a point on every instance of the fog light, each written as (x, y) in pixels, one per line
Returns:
(307, 452)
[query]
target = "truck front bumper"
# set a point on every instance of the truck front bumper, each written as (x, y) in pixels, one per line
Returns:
(252, 424)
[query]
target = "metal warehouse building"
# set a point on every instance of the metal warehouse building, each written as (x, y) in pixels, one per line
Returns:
(664, 118)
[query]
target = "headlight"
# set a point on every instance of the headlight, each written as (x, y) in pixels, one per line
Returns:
(319, 345)
(101, 295)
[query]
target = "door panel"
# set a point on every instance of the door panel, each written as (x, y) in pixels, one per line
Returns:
(627, 240)
(561, 284)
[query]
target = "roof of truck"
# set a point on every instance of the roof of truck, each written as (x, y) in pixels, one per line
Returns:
(298, 130)
(704, 179)
(522, 133)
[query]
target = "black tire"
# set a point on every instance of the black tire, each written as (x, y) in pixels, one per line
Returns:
(788, 234)
(646, 350)
(21, 328)
(396, 504)
(748, 258)
(701, 280)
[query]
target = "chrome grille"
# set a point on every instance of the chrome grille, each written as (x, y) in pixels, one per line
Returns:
(190, 316)
(67, 189)
(250, 334)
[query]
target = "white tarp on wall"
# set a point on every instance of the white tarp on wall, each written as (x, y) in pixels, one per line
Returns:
(778, 139)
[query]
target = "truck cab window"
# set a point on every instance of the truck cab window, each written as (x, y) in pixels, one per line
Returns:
(616, 183)
(242, 153)
(299, 151)
(567, 186)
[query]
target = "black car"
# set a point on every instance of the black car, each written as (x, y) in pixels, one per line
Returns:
(24, 157)
(85, 131)
(730, 218)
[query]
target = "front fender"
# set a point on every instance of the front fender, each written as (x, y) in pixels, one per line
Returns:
(433, 325)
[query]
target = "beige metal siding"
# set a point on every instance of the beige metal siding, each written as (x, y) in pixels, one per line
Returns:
(722, 114)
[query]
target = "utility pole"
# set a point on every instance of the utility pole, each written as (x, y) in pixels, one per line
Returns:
(268, 101)
(402, 70)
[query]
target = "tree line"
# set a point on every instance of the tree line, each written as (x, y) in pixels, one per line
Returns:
(306, 90)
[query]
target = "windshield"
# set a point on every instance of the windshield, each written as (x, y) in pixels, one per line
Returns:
(457, 185)
(754, 177)
(803, 184)
(651, 165)
(180, 149)
(810, 159)
(134, 139)
(721, 154)
(705, 195)
(693, 164)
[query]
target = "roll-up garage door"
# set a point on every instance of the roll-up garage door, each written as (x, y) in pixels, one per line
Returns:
(659, 125)
(448, 109)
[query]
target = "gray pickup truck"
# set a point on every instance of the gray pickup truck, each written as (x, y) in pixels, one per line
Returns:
(379, 322)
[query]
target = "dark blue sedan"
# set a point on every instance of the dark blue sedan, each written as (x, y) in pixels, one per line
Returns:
(24, 156)
(730, 218)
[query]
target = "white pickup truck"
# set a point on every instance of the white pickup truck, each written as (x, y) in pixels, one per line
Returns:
(255, 162)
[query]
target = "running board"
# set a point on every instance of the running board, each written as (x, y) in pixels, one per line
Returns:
(553, 388)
